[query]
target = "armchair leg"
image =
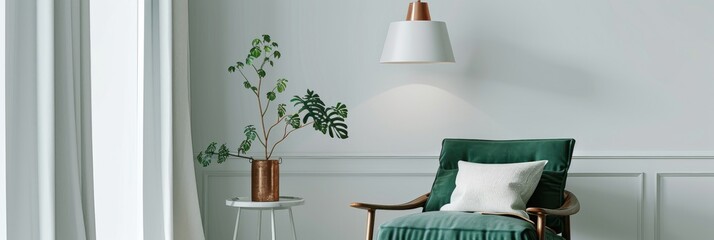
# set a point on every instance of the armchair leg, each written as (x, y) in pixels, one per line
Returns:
(566, 227)
(370, 223)
(540, 226)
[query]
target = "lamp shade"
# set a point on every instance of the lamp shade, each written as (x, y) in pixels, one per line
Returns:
(417, 42)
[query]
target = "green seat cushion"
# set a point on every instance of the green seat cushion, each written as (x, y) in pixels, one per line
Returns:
(459, 226)
(548, 193)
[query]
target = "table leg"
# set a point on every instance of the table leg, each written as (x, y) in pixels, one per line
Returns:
(292, 222)
(235, 230)
(260, 222)
(272, 220)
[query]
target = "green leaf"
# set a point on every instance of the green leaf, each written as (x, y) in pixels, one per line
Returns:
(244, 146)
(335, 121)
(211, 149)
(256, 42)
(247, 85)
(231, 69)
(271, 63)
(266, 37)
(267, 48)
(261, 73)
(319, 126)
(239, 64)
(281, 85)
(250, 133)
(255, 52)
(271, 96)
(249, 60)
(276, 54)
(223, 153)
(294, 120)
(340, 109)
(275, 44)
(204, 157)
(325, 120)
(254, 88)
(281, 110)
(336, 126)
(313, 107)
(203, 160)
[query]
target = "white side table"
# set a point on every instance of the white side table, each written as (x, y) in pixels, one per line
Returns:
(285, 202)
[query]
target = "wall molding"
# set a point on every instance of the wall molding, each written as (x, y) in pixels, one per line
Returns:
(658, 193)
(645, 157)
(215, 173)
(318, 156)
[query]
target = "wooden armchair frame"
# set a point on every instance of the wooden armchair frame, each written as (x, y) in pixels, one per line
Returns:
(570, 206)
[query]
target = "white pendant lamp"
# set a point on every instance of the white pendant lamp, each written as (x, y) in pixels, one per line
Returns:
(418, 39)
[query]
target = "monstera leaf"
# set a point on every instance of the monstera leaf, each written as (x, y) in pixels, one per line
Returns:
(336, 121)
(330, 120)
(312, 105)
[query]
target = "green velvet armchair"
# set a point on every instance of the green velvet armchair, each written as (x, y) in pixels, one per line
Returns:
(550, 206)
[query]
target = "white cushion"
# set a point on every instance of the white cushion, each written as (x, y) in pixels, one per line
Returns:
(495, 188)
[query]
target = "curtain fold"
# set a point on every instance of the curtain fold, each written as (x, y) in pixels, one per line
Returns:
(48, 121)
(171, 209)
(187, 215)
(74, 200)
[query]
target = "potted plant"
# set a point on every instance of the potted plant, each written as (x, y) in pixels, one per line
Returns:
(310, 111)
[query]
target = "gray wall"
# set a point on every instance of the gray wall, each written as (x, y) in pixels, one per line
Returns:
(632, 81)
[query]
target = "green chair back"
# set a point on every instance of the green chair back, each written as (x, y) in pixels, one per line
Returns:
(548, 193)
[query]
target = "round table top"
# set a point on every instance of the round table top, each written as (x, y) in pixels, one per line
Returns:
(282, 203)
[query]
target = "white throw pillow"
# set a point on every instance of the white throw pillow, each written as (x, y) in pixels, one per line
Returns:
(495, 188)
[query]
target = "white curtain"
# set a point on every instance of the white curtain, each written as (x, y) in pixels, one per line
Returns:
(171, 208)
(48, 121)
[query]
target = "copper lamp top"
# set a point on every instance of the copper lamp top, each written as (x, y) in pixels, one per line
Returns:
(418, 11)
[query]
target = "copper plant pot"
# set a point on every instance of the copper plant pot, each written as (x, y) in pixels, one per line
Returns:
(265, 180)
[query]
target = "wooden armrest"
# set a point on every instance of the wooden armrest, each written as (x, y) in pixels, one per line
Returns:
(416, 203)
(371, 208)
(570, 206)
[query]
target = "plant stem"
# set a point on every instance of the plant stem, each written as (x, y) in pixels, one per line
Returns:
(266, 105)
(264, 60)
(239, 156)
(262, 143)
(280, 119)
(286, 134)
(246, 79)
(257, 95)
(241, 73)
(262, 113)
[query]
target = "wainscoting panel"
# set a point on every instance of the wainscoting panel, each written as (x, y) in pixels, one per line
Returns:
(622, 197)
(684, 204)
(602, 195)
